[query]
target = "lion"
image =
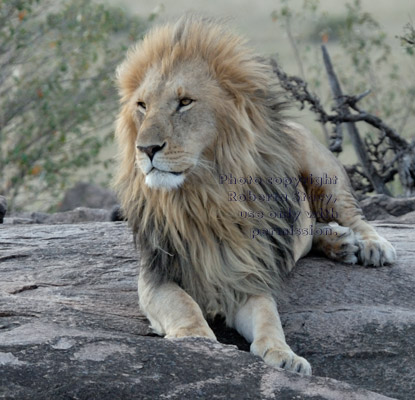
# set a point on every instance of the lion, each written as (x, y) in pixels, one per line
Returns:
(222, 193)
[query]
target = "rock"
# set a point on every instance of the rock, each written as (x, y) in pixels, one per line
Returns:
(403, 219)
(80, 214)
(70, 326)
(380, 206)
(88, 195)
(3, 208)
(18, 220)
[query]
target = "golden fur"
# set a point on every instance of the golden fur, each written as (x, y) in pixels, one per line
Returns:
(197, 105)
(231, 259)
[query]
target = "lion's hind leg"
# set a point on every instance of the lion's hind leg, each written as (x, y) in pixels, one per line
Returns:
(331, 198)
(337, 242)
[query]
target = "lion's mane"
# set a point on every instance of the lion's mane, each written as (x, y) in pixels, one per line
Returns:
(193, 235)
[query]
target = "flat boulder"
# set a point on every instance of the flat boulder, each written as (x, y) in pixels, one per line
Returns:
(381, 206)
(78, 215)
(89, 195)
(70, 326)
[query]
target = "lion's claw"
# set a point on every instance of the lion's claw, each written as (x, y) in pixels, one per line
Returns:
(287, 360)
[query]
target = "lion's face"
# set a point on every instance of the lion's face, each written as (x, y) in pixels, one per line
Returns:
(175, 123)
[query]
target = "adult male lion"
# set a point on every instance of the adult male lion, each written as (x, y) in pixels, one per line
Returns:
(198, 110)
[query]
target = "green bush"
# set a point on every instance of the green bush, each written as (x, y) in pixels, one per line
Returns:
(57, 98)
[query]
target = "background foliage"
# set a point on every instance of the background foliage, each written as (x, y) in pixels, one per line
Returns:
(57, 98)
(364, 58)
(58, 102)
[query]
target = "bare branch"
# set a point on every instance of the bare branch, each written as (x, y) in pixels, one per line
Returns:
(299, 90)
(343, 108)
(391, 153)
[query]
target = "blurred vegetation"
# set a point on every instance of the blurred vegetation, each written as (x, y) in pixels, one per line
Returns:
(408, 39)
(58, 101)
(364, 58)
(57, 97)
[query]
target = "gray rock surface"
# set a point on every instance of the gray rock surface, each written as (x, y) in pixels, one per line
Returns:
(80, 214)
(380, 206)
(70, 327)
(89, 195)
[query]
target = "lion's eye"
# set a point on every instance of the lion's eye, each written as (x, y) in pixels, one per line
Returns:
(141, 105)
(185, 102)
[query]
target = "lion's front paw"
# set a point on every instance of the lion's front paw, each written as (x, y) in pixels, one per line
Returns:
(341, 245)
(344, 245)
(376, 252)
(288, 360)
(194, 331)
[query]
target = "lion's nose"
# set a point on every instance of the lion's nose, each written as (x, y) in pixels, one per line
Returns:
(151, 150)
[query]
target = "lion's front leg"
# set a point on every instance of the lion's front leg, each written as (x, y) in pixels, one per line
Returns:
(361, 244)
(258, 321)
(373, 248)
(171, 311)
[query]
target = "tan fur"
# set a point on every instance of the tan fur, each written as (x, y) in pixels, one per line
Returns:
(198, 256)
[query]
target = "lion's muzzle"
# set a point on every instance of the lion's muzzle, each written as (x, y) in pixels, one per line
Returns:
(151, 150)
